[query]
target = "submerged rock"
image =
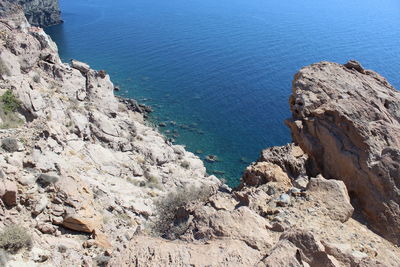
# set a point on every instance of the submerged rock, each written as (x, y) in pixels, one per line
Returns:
(211, 158)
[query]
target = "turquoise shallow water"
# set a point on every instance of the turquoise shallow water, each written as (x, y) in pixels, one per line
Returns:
(222, 69)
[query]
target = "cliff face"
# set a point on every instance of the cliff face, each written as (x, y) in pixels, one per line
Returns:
(41, 13)
(347, 119)
(73, 156)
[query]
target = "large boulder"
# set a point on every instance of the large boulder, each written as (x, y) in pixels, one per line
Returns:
(347, 120)
(264, 172)
(333, 196)
(148, 251)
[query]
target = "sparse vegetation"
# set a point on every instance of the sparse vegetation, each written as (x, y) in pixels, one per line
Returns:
(36, 78)
(9, 102)
(15, 237)
(171, 221)
(8, 105)
(152, 180)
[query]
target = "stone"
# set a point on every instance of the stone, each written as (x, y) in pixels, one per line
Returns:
(9, 193)
(81, 224)
(278, 227)
(57, 220)
(301, 183)
(265, 172)
(284, 253)
(11, 145)
(46, 228)
(283, 200)
(150, 251)
(291, 158)
(223, 202)
(333, 194)
(208, 223)
(82, 67)
(45, 179)
(211, 158)
(40, 205)
(347, 121)
(312, 250)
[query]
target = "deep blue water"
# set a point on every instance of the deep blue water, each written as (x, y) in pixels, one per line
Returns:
(222, 69)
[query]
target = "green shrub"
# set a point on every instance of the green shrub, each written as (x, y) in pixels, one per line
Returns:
(15, 237)
(9, 102)
(171, 220)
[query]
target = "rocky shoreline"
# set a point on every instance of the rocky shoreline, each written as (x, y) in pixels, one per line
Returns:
(42, 13)
(85, 182)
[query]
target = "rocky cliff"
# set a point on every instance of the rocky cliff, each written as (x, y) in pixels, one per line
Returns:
(84, 181)
(348, 120)
(41, 13)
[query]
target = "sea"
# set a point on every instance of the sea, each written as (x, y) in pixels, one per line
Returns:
(218, 73)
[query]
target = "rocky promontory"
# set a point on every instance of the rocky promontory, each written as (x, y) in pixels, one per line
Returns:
(41, 13)
(85, 181)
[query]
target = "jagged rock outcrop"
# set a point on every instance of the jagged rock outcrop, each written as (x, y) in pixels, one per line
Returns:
(80, 161)
(41, 13)
(347, 120)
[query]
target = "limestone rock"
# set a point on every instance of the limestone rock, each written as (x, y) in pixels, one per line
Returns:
(153, 252)
(209, 223)
(82, 67)
(265, 172)
(77, 223)
(312, 251)
(291, 158)
(284, 253)
(333, 195)
(347, 120)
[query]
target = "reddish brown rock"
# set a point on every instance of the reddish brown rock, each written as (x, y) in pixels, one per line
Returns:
(347, 119)
(8, 193)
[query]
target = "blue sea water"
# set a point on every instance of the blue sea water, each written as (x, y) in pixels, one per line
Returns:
(222, 69)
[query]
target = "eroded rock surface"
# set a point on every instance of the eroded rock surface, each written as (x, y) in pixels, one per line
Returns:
(347, 120)
(41, 13)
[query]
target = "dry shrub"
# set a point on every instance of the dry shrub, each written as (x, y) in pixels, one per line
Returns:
(171, 221)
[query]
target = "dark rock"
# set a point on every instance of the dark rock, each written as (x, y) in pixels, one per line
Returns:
(11, 145)
(46, 179)
(211, 158)
(9, 193)
(133, 105)
(41, 13)
(353, 64)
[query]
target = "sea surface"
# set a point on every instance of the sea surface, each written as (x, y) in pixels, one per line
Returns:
(219, 72)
